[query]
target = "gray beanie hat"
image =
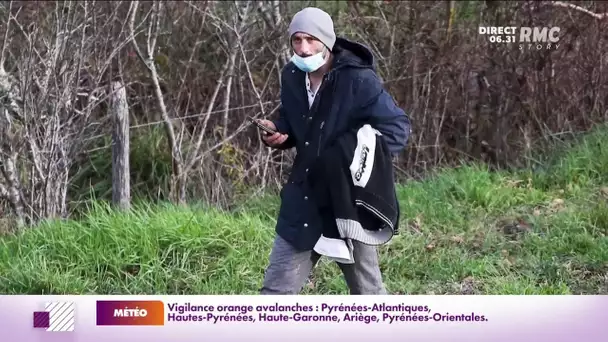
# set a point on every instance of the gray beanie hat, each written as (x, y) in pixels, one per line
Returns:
(315, 22)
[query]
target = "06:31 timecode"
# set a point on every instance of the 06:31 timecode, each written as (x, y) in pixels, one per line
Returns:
(501, 39)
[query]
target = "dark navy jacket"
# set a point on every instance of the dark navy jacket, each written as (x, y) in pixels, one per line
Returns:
(351, 94)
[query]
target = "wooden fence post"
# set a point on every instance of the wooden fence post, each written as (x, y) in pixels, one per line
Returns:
(121, 189)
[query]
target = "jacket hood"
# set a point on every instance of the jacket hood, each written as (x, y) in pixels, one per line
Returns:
(352, 54)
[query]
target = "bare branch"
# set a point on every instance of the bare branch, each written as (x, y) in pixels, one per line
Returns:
(5, 41)
(133, 35)
(3, 191)
(599, 16)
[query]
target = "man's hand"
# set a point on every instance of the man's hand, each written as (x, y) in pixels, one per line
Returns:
(273, 140)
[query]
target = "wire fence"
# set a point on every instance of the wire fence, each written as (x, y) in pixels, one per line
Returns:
(190, 116)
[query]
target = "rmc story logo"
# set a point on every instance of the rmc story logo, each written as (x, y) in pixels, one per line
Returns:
(526, 38)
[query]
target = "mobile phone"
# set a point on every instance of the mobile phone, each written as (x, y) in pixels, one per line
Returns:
(268, 130)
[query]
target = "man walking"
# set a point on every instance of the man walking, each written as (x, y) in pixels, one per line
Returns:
(329, 85)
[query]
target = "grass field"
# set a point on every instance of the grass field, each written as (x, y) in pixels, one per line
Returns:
(464, 231)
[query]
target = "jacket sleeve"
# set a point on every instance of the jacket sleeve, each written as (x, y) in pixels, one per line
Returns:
(281, 123)
(378, 108)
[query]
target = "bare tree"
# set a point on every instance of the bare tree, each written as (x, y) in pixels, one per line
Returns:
(229, 34)
(50, 97)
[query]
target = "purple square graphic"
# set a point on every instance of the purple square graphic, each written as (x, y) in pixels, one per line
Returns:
(42, 319)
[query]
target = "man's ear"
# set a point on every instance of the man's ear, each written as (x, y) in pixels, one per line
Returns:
(326, 52)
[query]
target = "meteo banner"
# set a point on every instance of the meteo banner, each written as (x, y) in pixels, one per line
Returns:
(304, 318)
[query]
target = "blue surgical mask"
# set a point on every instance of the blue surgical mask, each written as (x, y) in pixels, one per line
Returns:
(310, 63)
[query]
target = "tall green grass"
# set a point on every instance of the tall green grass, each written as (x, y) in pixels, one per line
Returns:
(464, 230)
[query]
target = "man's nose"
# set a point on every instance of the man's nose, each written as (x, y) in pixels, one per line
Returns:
(306, 49)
